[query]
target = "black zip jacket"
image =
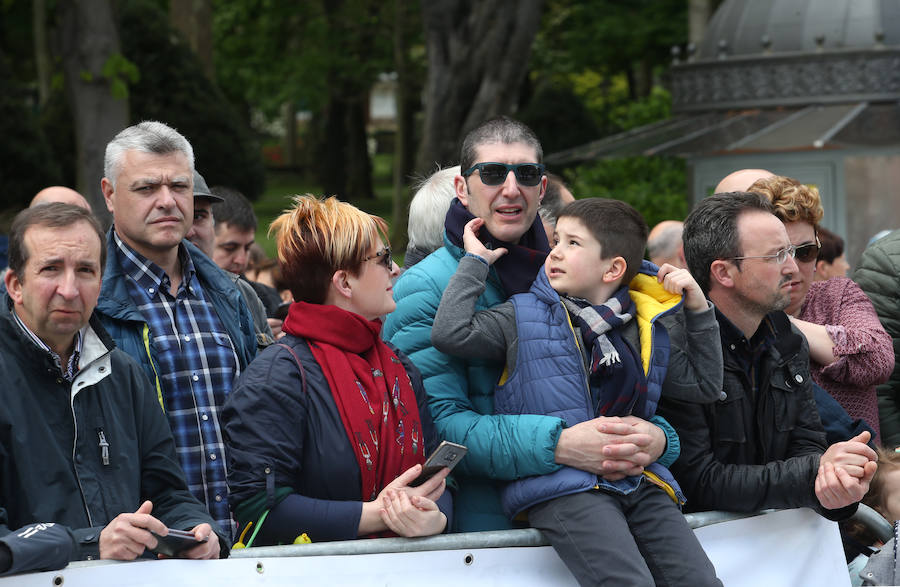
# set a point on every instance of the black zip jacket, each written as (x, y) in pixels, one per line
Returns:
(78, 454)
(759, 446)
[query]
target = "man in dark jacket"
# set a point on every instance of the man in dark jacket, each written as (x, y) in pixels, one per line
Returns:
(762, 444)
(63, 380)
(168, 305)
(878, 275)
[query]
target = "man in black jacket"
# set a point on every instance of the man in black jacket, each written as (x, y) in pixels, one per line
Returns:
(87, 462)
(762, 444)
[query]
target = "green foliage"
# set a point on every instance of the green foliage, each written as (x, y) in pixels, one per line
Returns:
(611, 53)
(559, 117)
(608, 36)
(26, 163)
(120, 72)
(611, 106)
(173, 89)
(656, 106)
(16, 39)
(269, 52)
(656, 186)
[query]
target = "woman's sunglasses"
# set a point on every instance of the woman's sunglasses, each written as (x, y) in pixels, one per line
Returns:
(492, 174)
(384, 258)
(808, 252)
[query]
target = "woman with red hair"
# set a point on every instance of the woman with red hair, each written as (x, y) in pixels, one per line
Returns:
(327, 430)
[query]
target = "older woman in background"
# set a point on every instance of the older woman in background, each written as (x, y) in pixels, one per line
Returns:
(326, 431)
(850, 353)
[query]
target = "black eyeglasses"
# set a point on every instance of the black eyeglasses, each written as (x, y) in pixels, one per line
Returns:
(779, 257)
(528, 174)
(808, 252)
(384, 258)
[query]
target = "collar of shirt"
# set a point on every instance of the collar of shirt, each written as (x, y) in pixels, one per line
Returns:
(733, 338)
(71, 368)
(149, 276)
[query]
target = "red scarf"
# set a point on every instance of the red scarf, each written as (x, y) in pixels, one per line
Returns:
(371, 388)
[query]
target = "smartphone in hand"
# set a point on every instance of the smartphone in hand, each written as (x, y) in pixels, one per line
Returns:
(447, 454)
(176, 542)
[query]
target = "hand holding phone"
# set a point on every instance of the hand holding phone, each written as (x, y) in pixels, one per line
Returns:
(447, 454)
(175, 542)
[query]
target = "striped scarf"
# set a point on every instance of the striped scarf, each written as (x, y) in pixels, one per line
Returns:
(617, 380)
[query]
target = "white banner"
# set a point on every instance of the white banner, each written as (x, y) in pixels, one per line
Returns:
(790, 548)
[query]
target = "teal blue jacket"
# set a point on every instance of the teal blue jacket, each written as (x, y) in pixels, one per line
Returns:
(461, 397)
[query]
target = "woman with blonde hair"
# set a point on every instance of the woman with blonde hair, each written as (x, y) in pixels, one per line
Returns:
(327, 430)
(850, 352)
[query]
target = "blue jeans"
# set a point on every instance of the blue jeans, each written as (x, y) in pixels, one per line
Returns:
(636, 539)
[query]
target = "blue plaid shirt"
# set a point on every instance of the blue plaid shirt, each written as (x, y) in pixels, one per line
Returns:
(197, 365)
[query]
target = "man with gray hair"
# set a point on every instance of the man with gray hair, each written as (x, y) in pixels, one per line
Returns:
(168, 305)
(426, 214)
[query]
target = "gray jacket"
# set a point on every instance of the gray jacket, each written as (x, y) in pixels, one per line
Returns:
(882, 566)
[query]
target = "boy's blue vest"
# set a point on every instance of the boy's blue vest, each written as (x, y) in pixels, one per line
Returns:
(550, 379)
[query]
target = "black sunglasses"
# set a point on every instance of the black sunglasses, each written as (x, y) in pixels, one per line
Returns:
(528, 174)
(384, 258)
(808, 252)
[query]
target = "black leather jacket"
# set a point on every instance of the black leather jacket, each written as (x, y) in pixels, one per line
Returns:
(759, 446)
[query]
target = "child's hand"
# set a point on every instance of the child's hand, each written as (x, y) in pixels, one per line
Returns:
(475, 246)
(680, 281)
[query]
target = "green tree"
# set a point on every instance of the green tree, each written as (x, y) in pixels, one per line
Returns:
(321, 56)
(26, 162)
(174, 89)
(611, 54)
(655, 186)
(477, 60)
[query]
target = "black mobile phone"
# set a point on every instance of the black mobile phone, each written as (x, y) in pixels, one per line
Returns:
(447, 454)
(177, 541)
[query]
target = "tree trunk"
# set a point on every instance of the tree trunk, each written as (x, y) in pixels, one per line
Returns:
(478, 53)
(403, 138)
(41, 49)
(88, 38)
(330, 156)
(193, 18)
(342, 160)
(358, 163)
(289, 112)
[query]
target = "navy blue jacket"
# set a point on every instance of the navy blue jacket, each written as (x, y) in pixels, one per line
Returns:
(288, 449)
(549, 358)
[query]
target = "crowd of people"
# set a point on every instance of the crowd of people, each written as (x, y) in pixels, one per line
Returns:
(162, 390)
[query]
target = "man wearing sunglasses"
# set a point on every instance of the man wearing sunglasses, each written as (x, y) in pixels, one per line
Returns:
(762, 444)
(502, 181)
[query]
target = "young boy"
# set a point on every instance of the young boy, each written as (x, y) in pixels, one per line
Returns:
(581, 344)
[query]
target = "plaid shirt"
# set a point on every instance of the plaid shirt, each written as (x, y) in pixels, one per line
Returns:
(197, 364)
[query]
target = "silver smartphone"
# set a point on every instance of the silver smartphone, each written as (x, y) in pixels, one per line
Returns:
(447, 454)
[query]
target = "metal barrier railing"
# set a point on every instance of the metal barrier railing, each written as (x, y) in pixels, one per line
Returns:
(460, 541)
